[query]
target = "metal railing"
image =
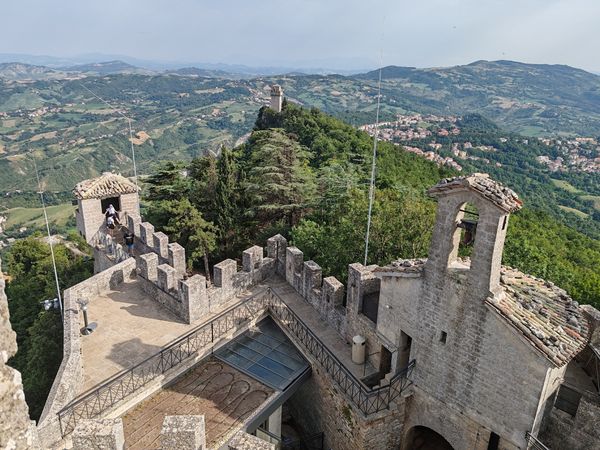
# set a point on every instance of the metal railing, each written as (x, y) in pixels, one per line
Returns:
(534, 443)
(106, 395)
(367, 400)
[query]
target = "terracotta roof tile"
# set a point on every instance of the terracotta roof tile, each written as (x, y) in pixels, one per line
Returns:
(107, 185)
(552, 321)
(500, 195)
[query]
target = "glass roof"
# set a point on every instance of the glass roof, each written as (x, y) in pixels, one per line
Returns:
(265, 353)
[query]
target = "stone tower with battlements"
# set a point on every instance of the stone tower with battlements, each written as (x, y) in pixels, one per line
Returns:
(276, 98)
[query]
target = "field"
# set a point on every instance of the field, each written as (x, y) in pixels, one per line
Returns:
(34, 217)
(595, 199)
(574, 211)
(565, 185)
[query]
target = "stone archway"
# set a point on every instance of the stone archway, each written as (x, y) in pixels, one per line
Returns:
(423, 438)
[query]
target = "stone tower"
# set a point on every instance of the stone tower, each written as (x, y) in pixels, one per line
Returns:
(96, 194)
(276, 98)
(494, 203)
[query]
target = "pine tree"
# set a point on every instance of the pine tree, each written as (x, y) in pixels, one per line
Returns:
(226, 199)
(280, 185)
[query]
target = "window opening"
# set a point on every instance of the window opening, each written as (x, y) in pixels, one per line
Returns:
(443, 337)
(494, 441)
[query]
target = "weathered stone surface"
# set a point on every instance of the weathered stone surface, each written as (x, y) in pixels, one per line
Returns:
(98, 434)
(183, 433)
(177, 258)
(245, 441)
(167, 277)
(161, 244)
(148, 266)
(16, 430)
(224, 272)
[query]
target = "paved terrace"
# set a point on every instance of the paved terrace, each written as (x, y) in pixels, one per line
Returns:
(131, 327)
(225, 396)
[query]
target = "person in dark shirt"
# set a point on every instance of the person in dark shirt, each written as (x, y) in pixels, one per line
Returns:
(129, 238)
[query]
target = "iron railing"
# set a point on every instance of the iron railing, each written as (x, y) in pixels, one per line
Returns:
(534, 443)
(106, 395)
(367, 400)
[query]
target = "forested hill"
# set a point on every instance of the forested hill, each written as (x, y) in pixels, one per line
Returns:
(181, 115)
(305, 174)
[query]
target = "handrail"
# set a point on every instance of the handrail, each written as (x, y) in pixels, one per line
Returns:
(534, 443)
(104, 396)
(368, 400)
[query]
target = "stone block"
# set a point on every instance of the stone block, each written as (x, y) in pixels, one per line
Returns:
(99, 434)
(161, 243)
(244, 441)
(146, 233)
(332, 293)
(148, 265)
(177, 258)
(192, 294)
(252, 258)
(294, 259)
(133, 224)
(183, 433)
(166, 277)
(224, 272)
(276, 246)
(311, 277)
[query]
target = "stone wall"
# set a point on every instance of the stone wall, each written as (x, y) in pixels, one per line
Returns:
(69, 378)
(474, 367)
(191, 298)
(17, 431)
(561, 430)
(320, 406)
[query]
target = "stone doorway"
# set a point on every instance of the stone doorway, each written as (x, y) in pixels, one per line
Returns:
(423, 438)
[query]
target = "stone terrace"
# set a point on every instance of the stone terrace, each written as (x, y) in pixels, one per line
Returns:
(223, 395)
(131, 327)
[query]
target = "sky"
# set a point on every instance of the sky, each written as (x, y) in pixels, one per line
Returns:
(346, 34)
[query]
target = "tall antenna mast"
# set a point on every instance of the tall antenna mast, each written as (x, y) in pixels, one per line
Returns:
(41, 192)
(373, 164)
(130, 129)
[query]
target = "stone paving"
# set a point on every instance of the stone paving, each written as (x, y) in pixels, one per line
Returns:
(131, 327)
(225, 396)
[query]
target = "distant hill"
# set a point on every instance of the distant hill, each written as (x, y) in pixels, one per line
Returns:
(108, 68)
(203, 73)
(19, 71)
(528, 98)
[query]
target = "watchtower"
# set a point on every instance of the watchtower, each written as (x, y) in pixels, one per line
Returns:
(96, 194)
(276, 98)
(493, 203)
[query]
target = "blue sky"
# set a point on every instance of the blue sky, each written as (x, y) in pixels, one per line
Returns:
(346, 34)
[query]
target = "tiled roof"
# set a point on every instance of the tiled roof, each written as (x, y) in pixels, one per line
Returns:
(553, 322)
(107, 185)
(500, 195)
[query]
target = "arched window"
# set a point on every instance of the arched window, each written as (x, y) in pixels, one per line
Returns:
(463, 239)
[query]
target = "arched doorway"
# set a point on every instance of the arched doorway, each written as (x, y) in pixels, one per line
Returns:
(423, 438)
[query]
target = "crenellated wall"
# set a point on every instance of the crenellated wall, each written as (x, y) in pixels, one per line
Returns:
(191, 298)
(69, 378)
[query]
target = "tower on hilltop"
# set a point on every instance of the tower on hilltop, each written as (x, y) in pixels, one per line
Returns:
(276, 98)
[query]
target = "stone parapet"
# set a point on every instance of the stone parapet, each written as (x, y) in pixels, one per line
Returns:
(244, 441)
(183, 433)
(99, 434)
(161, 244)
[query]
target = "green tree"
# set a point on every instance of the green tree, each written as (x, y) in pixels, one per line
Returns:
(185, 224)
(280, 185)
(226, 199)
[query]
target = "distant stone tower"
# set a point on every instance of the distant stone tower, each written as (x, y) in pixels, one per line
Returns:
(276, 98)
(95, 195)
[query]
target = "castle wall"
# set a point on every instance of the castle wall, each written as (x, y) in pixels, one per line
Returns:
(17, 431)
(475, 370)
(561, 430)
(319, 406)
(69, 378)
